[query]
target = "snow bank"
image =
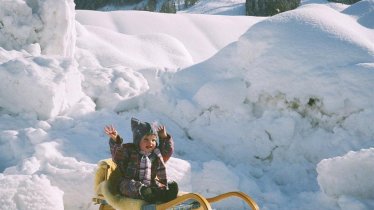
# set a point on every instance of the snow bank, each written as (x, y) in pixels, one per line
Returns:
(305, 53)
(108, 86)
(295, 89)
(47, 22)
(110, 70)
(349, 175)
(217, 7)
(38, 42)
(166, 51)
(201, 35)
(38, 84)
(339, 53)
(18, 144)
(65, 174)
(363, 12)
(257, 117)
(29, 192)
(224, 179)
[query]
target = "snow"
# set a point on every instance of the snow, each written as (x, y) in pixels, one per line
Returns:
(279, 107)
(25, 75)
(214, 7)
(47, 23)
(29, 192)
(341, 175)
(196, 29)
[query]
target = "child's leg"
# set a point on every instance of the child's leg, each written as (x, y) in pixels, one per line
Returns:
(130, 188)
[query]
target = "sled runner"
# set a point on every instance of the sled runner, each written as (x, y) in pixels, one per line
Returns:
(108, 175)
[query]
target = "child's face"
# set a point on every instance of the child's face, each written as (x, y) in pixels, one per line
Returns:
(148, 143)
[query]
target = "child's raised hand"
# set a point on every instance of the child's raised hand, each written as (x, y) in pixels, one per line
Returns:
(111, 132)
(161, 130)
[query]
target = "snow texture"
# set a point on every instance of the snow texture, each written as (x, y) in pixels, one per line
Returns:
(278, 107)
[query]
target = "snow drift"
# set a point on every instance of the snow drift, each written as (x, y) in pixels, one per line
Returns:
(342, 176)
(49, 23)
(276, 107)
(39, 75)
(305, 53)
(38, 84)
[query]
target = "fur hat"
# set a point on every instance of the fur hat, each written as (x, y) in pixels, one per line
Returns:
(140, 129)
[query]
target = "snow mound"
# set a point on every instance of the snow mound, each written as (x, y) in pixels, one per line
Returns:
(29, 192)
(349, 175)
(18, 144)
(70, 178)
(282, 51)
(202, 36)
(293, 82)
(50, 23)
(40, 84)
(217, 7)
(257, 117)
(108, 86)
(166, 51)
(363, 11)
(216, 172)
(304, 54)
(37, 40)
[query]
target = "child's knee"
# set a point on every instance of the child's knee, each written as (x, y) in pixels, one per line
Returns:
(130, 188)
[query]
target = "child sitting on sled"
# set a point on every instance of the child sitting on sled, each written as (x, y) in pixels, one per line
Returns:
(142, 163)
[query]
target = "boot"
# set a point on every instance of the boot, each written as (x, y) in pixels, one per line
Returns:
(171, 193)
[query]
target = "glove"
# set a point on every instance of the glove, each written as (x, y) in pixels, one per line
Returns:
(148, 194)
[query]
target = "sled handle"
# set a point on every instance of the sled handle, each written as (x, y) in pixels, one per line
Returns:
(180, 199)
(241, 195)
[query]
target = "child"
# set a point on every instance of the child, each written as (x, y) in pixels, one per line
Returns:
(142, 162)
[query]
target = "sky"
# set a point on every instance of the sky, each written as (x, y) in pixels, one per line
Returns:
(279, 107)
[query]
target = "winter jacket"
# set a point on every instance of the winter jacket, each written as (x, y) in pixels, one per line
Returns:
(127, 157)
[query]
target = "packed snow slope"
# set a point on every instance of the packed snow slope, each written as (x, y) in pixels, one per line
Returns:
(186, 29)
(280, 108)
(211, 7)
(217, 7)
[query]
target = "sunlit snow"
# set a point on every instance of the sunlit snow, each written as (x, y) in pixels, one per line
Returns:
(279, 107)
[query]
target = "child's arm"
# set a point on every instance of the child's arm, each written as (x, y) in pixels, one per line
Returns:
(117, 150)
(115, 144)
(166, 143)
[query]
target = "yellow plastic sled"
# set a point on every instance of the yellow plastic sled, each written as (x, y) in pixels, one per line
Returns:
(108, 175)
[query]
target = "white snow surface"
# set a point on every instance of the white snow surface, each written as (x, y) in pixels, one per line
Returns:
(279, 107)
(343, 175)
(214, 7)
